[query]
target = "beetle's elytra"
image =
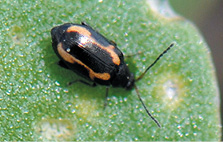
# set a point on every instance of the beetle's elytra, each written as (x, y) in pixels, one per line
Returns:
(94, 57)
(91, 55)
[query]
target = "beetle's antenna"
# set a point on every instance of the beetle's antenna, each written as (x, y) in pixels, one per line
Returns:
(147, 111)
(164, 52)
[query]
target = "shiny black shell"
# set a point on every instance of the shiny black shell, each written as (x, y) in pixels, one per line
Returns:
(91, 55)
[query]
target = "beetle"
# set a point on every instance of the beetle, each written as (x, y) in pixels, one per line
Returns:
(95, 58)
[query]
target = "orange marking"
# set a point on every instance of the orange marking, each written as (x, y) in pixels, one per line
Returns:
(86, 33)
(115, 57)
(79, 30)
(67, 57)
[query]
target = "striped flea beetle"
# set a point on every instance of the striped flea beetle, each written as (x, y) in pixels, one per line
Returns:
(95, 58)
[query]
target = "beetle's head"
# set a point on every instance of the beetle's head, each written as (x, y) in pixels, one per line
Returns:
(124, 78)
(131, 82)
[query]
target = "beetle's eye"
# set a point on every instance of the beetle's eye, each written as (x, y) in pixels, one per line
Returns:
(68, 50)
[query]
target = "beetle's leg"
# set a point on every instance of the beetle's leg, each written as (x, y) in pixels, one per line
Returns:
(84, 23)
(82, 81)
(130, 55)
(106, 97)
(62, 64)
(113, 42)
(140, 52)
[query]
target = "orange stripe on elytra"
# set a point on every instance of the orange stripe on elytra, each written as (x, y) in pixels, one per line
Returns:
(69, 58)
(80, 30)
(85, 32)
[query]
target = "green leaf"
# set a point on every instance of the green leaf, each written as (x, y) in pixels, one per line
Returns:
(36, 104)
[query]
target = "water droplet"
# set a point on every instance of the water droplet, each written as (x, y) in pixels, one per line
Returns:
(201, 117)
(73, 111)
(57, 83)
(87, 125)
(65, 90)
(26, 111)
(195, 134)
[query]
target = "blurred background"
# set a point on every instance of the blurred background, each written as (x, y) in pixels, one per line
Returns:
(207, 15)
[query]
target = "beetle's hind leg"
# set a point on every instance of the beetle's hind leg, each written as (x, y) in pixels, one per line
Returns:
(82, 81)
(92, 85)
(134, 54)
(62, 64)
(106, 97)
